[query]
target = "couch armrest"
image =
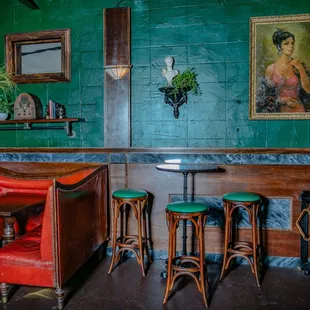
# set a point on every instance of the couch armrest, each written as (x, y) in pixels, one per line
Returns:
(80, 217)
(26, 184)
(76, 176)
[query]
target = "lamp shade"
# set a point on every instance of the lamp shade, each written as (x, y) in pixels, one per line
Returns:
(117, 72)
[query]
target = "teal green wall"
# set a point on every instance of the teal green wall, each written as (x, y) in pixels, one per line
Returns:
(210, 36)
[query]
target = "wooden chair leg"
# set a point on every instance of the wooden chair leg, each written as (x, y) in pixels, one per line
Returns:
(145, 235)
(4, 292)
(226, 241)
(141, 245)
(60, 297)
(170, 256)
(254, 244)
(204, 251)
(202, 261)
(174, 243)
(114, 239)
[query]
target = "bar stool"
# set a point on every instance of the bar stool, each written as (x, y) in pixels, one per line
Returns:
(137, 200)
(188, 265)
(250, 202)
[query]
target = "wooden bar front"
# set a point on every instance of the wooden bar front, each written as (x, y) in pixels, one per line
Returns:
(272, 181)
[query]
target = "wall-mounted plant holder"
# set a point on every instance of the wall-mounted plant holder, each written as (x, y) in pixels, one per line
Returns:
(174, 100)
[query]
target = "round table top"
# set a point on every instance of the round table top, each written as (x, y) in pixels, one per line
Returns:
(187, 168)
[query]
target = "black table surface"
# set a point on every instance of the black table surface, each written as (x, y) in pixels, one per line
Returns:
(10, 204)
(187, 168)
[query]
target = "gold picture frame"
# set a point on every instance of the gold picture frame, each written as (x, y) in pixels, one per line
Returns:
(279, 67)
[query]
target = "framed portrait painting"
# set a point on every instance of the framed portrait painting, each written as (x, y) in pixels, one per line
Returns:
(280, 67)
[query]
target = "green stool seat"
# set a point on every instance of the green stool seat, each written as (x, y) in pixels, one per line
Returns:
(129, 193)
(241, 196)
(186, 207)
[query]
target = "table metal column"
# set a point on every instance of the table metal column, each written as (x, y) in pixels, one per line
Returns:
(184, 251)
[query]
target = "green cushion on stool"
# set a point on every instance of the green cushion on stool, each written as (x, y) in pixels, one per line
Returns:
(186, 207)
(129, 193)
(241, 196)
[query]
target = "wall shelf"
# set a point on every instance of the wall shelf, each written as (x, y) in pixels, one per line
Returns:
(29, 122)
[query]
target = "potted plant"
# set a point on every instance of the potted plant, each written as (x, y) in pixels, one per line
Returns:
(176, 95)
(7, 87)
(185, 82)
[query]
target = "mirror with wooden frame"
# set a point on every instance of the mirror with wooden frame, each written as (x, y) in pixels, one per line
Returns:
(39, 57)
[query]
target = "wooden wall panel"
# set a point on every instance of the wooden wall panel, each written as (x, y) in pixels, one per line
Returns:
(267, 180)
(42, 168)
(117, 92)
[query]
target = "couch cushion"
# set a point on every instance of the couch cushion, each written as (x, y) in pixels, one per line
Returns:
(34, 220)
(47, 228)
(24, 250)
(20, 262)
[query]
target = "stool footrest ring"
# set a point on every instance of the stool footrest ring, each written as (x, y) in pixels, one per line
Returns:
(186, 263)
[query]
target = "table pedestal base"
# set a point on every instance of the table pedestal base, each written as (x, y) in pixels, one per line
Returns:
(9, 231)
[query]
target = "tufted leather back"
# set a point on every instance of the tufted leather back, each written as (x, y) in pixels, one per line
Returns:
(48, 226)
(26, 185)
(81, 221)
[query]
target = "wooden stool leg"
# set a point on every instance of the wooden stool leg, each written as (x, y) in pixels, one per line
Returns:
(145, 235)
(169, 282)
(202, 265)
(227, 237)
(174, 243)
(173, 247)
(122, 226)
(204, 251)
(114, 236)
(259, 243)
(254, 243)
(141, 245)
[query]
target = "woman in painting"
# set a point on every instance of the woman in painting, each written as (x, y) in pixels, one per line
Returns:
(286, 85)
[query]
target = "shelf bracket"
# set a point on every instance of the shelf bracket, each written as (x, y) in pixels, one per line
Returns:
(68, 128)
(28, 126)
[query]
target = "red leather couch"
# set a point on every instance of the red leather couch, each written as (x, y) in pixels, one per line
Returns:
(74, 225)
(10, 184)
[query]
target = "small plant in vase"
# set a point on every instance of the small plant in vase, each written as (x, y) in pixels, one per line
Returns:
(183, 83)
(7, 87)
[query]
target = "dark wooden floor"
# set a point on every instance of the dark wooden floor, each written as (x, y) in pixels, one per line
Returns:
(93, 289)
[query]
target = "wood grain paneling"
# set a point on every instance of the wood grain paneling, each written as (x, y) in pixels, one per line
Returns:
(267, 180)
(117, 36)
(25, 169)
(117, 92)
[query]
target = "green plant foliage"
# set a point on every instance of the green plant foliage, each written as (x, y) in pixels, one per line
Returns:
(186, 82)
(6, 107)
(7, 88)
